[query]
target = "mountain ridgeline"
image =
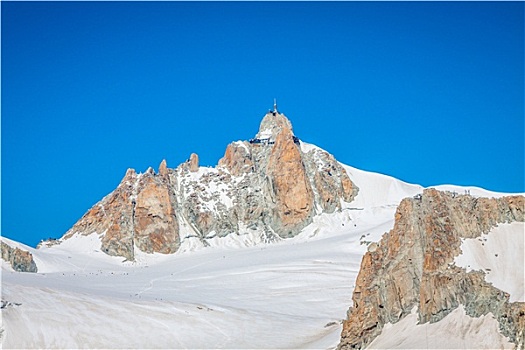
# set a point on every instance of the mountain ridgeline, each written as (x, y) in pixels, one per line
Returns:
(420, 262)
(269, 188)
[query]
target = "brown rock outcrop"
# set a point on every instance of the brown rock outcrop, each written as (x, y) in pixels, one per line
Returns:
(413, 266)
(237, 159)
(271, 125)
(112, 218)
(194, 163)
(155, 223)
(268, 187)
(140, 211)
(332, 184)
(289, 186)
(163, 168)
(20, 260)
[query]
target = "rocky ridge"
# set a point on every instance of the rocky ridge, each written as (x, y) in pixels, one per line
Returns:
(413, 265)
(268, 187)
(19, 259)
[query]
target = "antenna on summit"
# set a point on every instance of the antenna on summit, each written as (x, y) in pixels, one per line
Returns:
(275, 105)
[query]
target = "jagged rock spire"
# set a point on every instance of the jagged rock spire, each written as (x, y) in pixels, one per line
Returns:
(272, 187)
(272, 124)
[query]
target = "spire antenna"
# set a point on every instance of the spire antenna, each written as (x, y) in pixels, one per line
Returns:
(275, 105)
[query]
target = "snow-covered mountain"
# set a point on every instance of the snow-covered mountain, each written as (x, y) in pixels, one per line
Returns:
(262, 190)
(265, 251)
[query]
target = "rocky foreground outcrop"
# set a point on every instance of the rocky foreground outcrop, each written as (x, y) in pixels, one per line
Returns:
(412, 265)
(268, 187)
(20, 260)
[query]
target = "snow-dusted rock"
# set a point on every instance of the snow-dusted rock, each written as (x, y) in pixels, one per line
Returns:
(194, 162)
(288, 185)
(302, 284)
(268, 188)
(163, 168)
(237, 159)
(19, 259)
(413, 265)
(155, 225)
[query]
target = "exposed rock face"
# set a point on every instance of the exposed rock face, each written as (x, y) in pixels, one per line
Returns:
(194, 162)
(413, 266)
(155, 223)
(271, 125)
(281, 189)
(20, 260)
(163, 168)
(112, 217)
(237, 159)
(290, 188)
(268, 187)
(140, 212)
(331, 181)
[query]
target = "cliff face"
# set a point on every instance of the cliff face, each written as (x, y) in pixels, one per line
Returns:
(269, 187)
(139, 212)
(20, 260)
(289, 186)
(412, 265)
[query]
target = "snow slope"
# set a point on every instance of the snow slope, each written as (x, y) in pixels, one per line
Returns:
(288, 294)
(500, 254)
(456, 331)
(275, 296)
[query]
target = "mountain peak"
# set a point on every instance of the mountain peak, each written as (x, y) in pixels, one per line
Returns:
(271, 125)
(267, 188)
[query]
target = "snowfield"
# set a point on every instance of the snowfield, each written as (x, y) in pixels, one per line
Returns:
(499, 254)
(456, 331)
(285, 295)
(238, 293)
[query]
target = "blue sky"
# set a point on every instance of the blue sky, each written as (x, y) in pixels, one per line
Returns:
(430, 93)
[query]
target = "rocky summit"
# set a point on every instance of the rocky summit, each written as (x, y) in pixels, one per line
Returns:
(269, 187)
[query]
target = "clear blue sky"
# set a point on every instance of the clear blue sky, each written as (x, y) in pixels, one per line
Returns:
(430, 93)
